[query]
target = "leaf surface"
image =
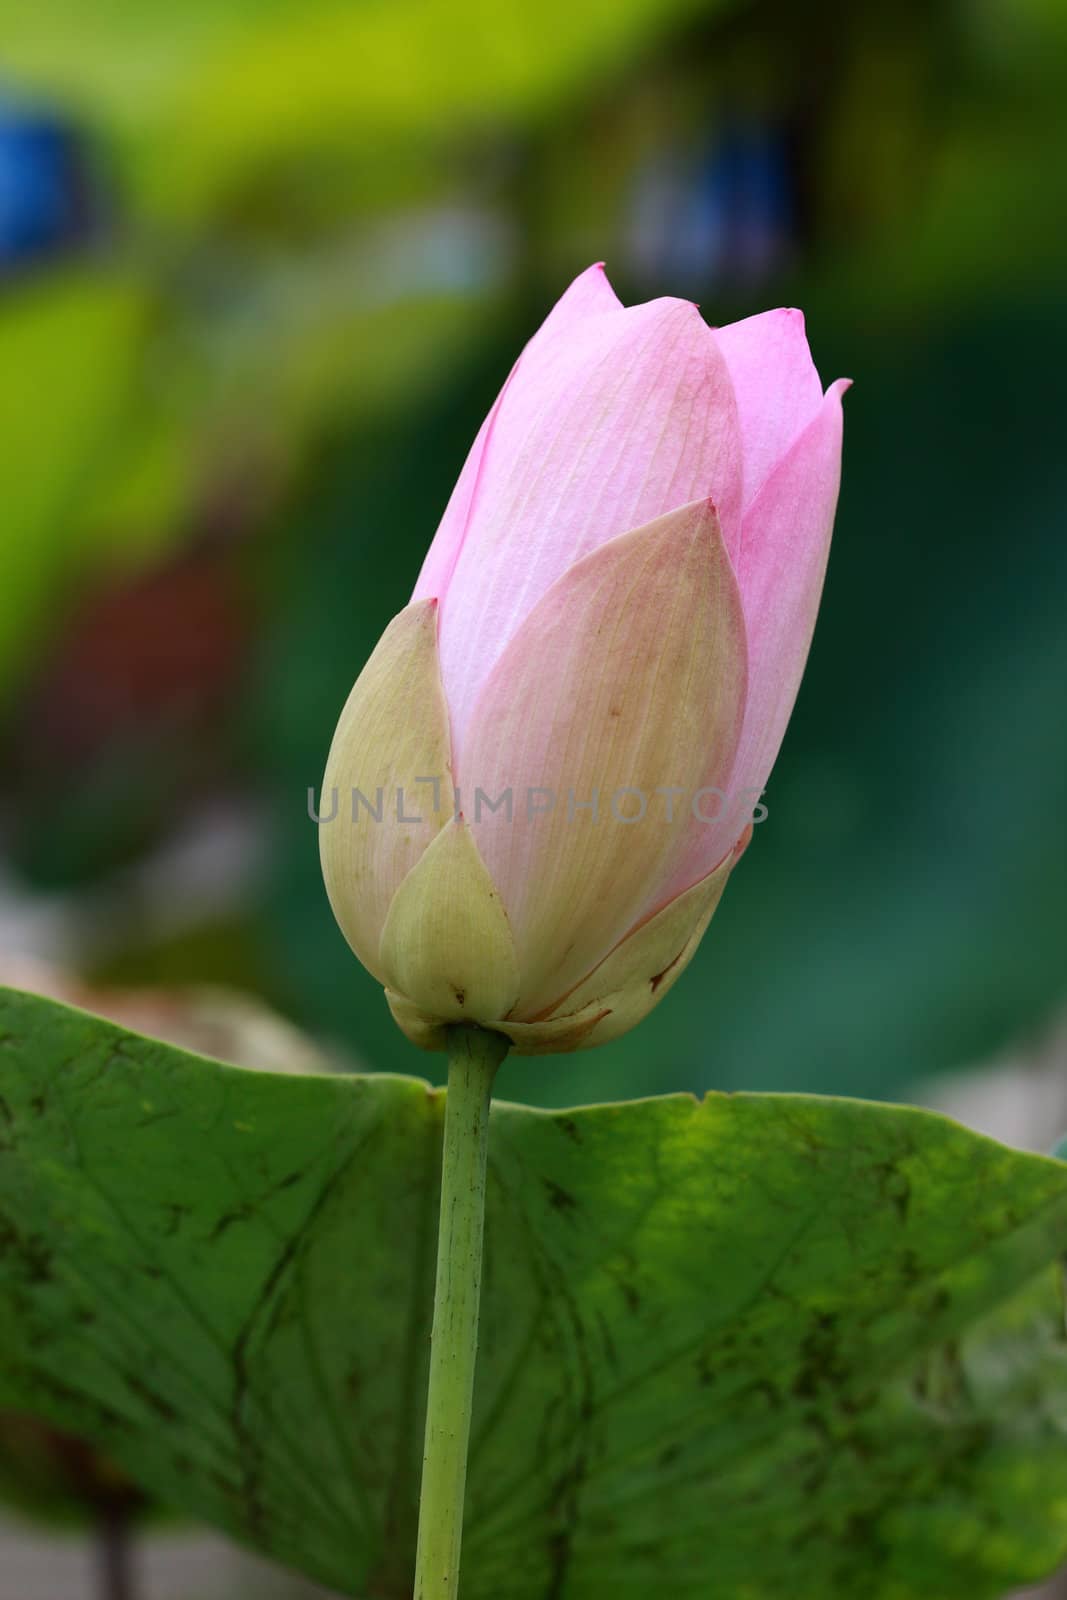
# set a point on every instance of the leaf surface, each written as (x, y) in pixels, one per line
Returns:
(741, 1347)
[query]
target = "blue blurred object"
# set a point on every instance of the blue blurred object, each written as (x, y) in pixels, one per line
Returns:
(44, 194)
(722, 212)
(746, 184)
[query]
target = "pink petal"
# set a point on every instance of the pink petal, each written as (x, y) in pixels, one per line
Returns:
(777, 388)
(589, 294)
(627, 416)
(440, 559)
(786, 544)
(628, 675)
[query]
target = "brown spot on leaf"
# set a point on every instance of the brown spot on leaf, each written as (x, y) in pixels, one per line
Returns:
(561, 1199)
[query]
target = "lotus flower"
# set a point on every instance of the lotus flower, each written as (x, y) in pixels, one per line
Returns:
(548, 767)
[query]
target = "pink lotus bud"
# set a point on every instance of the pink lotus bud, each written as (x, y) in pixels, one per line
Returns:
(549, 765)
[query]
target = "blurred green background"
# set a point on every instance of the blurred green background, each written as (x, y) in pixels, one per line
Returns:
(262, 270)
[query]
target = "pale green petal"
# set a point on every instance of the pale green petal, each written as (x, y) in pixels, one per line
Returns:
(446, 944)
(392, 737)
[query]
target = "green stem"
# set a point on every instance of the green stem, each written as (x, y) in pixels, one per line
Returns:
(474, 1055)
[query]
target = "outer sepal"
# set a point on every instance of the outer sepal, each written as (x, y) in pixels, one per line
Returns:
(392, 732)
(446, 944)
(631, 981)
(611, 1000)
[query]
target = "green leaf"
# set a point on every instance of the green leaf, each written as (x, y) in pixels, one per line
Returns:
(207, 96)
(749, 1345)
